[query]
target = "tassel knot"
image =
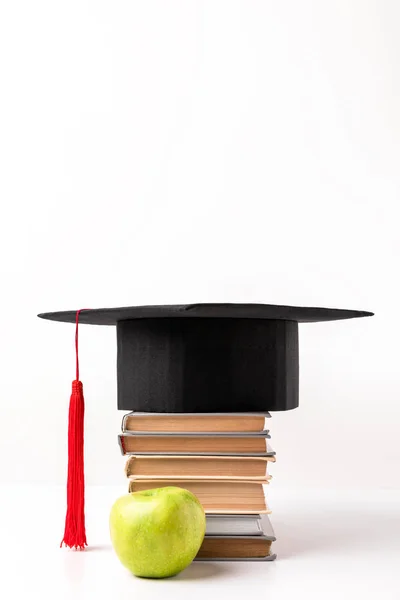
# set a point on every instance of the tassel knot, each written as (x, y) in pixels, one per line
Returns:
(77, 387)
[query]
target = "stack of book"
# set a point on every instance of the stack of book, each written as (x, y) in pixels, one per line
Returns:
(222, 459)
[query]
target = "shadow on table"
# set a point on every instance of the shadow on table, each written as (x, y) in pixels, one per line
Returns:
(194, 572)
(202, 570)
(336, 530)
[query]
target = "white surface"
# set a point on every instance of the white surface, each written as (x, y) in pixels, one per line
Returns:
(191, 151)
(330, 545)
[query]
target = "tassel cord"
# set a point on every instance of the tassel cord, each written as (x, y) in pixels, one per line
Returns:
(75, 533)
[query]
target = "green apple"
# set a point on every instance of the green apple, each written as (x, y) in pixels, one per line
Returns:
(157, 533)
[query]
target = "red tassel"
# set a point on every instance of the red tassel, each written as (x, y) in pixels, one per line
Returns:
(74, 533)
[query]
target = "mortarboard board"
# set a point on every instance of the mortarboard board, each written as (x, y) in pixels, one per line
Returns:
(207, 357)
(192, 358)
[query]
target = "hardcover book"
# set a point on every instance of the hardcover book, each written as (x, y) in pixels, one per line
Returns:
(216, 496)
(199, 467)
(237, 537)
(194, 422)
(239, 525)
(233, 525)
(236, 548)
(196, 444)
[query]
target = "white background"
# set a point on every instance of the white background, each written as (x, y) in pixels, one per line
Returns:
(201, 151)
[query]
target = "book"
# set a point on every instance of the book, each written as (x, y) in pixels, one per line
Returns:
(194, 444)
(216, 497)
(197, 467)
(237, 537)
(194, 422)
(222, 525)
(235, 548)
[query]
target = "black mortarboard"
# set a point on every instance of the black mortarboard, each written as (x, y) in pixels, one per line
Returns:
(207, 357)
(191, 358)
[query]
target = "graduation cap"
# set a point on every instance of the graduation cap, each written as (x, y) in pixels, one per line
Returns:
(191, 358)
